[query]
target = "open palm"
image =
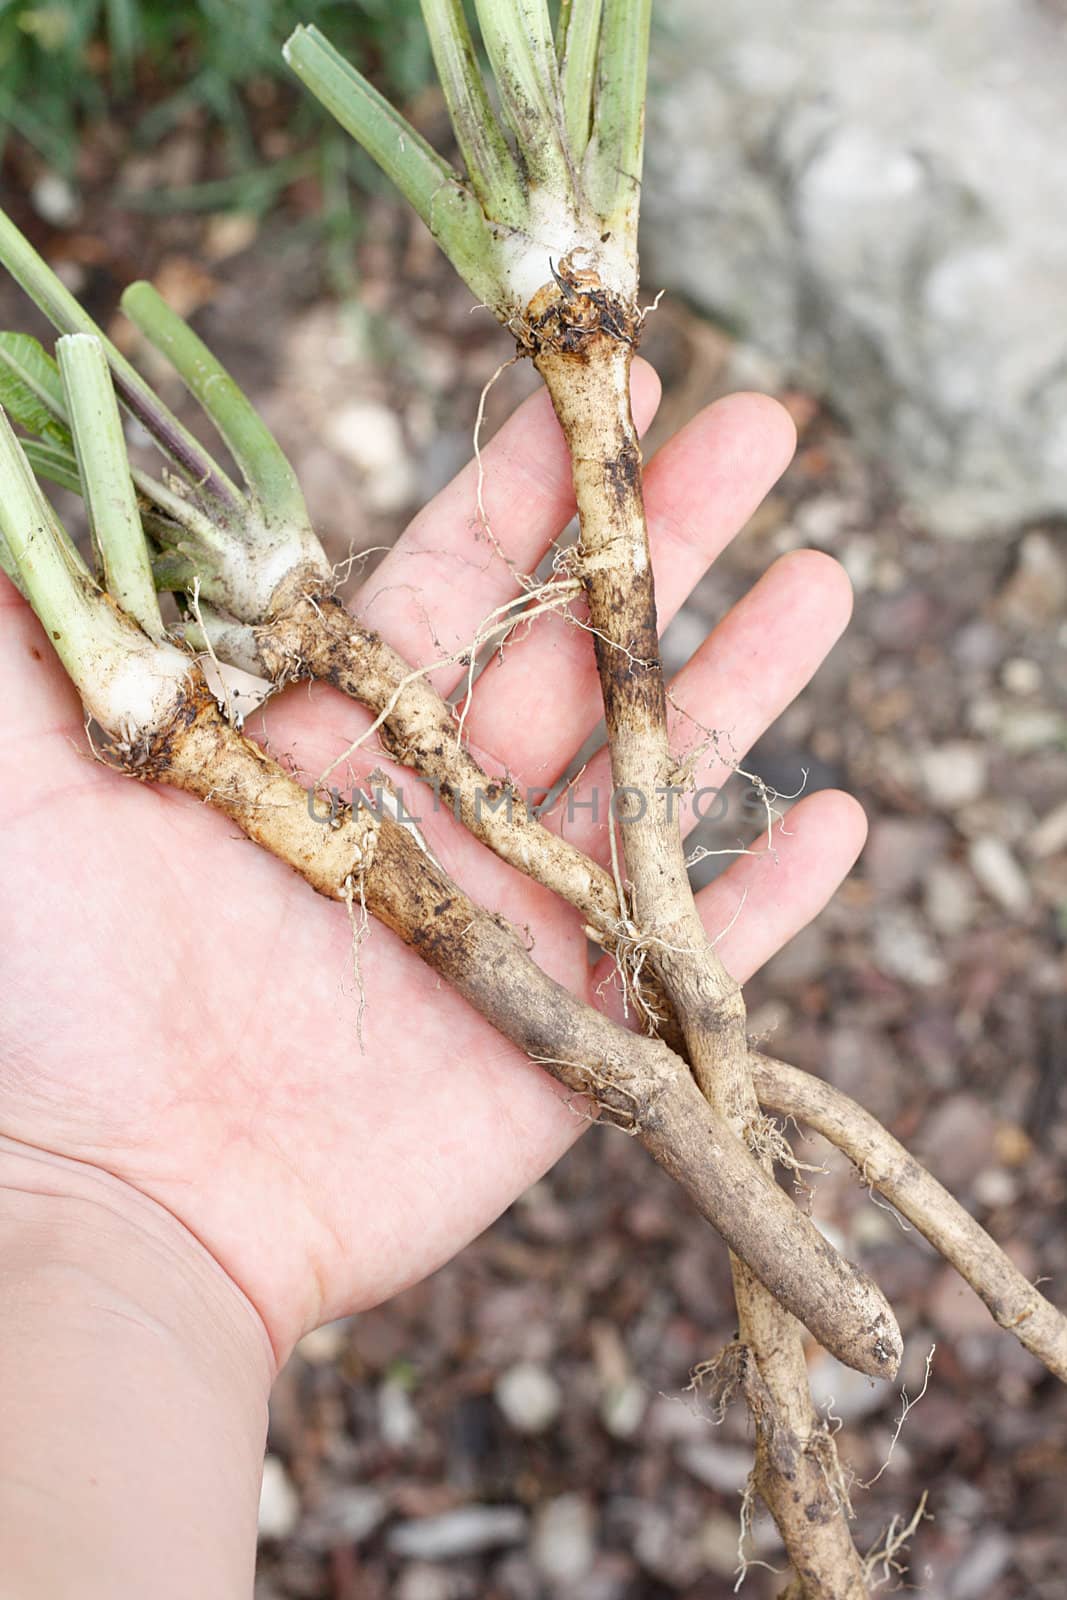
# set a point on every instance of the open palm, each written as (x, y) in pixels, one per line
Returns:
(180, 1010)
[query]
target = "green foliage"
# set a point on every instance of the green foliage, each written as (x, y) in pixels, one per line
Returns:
(31, 390)
(65, 61)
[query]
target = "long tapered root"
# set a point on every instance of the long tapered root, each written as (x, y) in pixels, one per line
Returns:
(884, 1164)
(582, 340)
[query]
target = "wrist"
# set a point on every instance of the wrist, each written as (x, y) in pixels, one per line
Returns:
(134, 1378)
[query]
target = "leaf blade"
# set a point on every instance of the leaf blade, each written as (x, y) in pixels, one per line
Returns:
(31, 390)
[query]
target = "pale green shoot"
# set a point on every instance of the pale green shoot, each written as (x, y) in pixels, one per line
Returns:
(127, 682)
(263, 464)
(104, 470)
(60, 307)
(575, 109)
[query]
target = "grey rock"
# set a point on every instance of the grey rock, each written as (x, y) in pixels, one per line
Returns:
(957, 1311)
(864, 1063)
(563, 1545)
(903, 949)
(463, 1532)
(723, 1467)
(977, 1571)
(623, 1406)
(397, 1417)
(529, 1397)
(953, 774)
(53, 199)
(347, 1515)
(1021, 676)
(423, 1582)
(949, 898)
(325, 1345)
(840, 1392)
(1050, 835)
(662, 1550)
(279, 1503)
(371, 437)
(871, 195)
(1036, 592)
(958, 1140)
(899, 853)
(1000, 875)
(1030, 728)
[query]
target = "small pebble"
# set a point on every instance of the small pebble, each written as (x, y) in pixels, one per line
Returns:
(563, 1546)
(463, 1532)
(279, 1503)
(1050, 835)
(1036, 592)
(424, 1583)
(723, 1467)
(1021, 676)
(979, 1568)
(995, 1188)
(397, 1417)
(958, 1140)
(228, 233)
(324, 1345)
(903, 949)
(1000, 875)
(371, 437)
(623, 1407)
(1025, 729)
(346, 1515)
(529, 1397)
(953, 774)
(956, 1310)
(949, 898)
(840, 1392)
(54, 200)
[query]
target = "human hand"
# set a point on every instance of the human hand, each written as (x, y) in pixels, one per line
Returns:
(180, 1011)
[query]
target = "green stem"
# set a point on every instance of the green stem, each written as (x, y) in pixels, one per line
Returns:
(518, 38)
(211, 544)
(492, 169)
(578, 71)
(104, 469)
(9, 566)
(616, 151)
(261, 459)
(450, 210)
(566, 11)
(63, 311)
(50, 574)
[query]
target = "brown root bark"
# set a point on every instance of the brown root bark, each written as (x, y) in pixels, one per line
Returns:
(315, 636)
(886, 1165)
(582, 340)
(638, 1081)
